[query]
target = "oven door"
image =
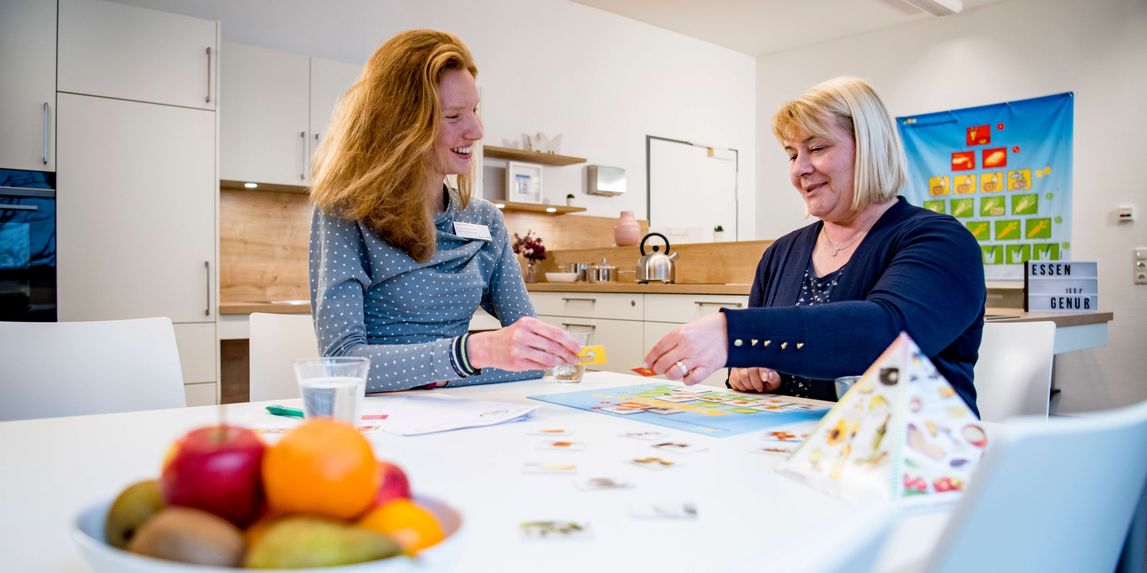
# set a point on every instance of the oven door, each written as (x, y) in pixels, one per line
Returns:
(27, 246)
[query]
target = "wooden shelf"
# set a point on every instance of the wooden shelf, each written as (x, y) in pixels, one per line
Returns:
(536, 207)
(530, 156)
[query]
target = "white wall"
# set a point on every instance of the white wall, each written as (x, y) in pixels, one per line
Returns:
(1012, 50)
(604, 82)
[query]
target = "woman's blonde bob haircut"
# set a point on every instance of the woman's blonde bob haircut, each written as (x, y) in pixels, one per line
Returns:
(375, 164)
(880, 167)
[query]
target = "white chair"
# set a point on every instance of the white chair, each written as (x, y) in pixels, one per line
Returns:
(73, 368)
(1013, 374)
(276, 342)
(1049, 496)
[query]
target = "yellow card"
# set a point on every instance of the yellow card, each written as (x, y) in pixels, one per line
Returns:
(591, 355)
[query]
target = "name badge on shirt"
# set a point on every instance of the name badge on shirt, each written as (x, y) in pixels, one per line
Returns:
(472, 231)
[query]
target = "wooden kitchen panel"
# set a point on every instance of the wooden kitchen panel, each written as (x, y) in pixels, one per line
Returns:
(566, 232)
(263, 240)
(697, 263)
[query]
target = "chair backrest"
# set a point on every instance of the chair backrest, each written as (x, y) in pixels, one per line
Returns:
(1013, 374)
(73, 368)
(1050, 495)
(277, 341)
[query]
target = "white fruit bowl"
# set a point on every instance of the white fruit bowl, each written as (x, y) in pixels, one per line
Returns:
(103, 558)
(561, 277)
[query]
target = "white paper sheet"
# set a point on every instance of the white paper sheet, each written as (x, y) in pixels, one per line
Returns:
(414, 415)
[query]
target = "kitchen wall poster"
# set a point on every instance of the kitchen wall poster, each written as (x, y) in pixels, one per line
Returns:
(1004, 170)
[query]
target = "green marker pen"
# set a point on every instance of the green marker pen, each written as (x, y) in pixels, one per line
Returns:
(285, 411)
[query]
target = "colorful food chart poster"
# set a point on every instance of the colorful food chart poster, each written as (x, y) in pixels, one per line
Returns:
(701, 410)
(1003, 170)
(901, 432)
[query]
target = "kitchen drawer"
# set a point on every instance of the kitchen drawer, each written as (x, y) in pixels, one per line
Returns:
(620, 306)
(197, 349)
(682, 308)
(654, 331)
(621, 339)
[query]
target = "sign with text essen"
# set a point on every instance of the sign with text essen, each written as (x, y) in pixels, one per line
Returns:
(1068, 286)
(1004, 171)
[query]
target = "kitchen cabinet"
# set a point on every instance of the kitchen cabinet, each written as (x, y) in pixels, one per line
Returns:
(614, 319)
(136, 219)
(329, 81)
(136, 204)
(665, 312)
(278, 106)
(28, 92)
(118, 51)
(629, 324)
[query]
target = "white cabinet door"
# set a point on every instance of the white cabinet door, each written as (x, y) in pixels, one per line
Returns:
(329, 81)
(28, 90)
(136, 210)
(264, 120)
(621, 339)
(113, 50)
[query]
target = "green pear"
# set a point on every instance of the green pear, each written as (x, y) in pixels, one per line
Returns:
(189, 536)
(298, 542)
(133, 506)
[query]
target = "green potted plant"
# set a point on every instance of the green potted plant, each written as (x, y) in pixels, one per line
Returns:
(569, 199)
(718, 233)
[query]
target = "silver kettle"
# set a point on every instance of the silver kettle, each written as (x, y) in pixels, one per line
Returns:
(656, 266)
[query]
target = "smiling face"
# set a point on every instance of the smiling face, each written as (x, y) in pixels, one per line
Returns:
(459, 126)
(821, 168)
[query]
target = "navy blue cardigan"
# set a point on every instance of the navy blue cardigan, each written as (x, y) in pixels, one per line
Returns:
(916, 271)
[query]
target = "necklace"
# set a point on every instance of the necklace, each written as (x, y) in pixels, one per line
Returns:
(835, 249)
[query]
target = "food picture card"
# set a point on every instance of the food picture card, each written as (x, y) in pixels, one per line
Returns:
(901, 432)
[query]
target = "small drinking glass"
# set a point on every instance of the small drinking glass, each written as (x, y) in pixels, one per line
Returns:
(844, 384)
(572, 373)
(333, 387)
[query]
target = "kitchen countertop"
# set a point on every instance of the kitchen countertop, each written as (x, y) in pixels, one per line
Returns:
(992, 314)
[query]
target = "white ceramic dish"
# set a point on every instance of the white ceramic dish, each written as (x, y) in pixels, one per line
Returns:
(88, 532)
(561, 277)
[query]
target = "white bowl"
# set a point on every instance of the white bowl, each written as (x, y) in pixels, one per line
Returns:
(561, 277)
(104, 558)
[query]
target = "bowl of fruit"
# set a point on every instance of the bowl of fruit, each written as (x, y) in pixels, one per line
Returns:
(317, 499)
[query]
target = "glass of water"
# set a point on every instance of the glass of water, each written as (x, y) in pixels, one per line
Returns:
(572, 373)
(333, 387)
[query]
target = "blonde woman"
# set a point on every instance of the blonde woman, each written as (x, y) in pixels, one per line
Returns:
(399, 260)
(828, 298)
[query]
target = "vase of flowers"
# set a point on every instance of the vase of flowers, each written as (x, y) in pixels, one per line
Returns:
(533, 250)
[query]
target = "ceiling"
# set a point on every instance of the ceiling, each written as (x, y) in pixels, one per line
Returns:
(758, 27)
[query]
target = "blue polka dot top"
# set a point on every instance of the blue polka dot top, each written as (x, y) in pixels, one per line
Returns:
(371, 299)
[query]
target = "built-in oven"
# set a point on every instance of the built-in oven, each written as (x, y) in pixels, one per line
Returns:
(27, 246)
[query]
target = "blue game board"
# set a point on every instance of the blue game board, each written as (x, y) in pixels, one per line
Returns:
(710, 412)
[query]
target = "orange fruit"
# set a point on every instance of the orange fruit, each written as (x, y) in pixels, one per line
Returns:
(323, 467)
(414, 526)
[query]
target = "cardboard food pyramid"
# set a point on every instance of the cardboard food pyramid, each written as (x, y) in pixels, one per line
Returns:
(900, 432)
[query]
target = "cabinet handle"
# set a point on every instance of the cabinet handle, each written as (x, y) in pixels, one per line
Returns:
(303, 173)
(589, 326)
(208, 100)
(19, 208)
(47, 132)
(582, 299)
(711, 303)
(207, 267)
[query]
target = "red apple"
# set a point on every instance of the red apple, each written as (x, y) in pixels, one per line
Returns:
(394, 484)
(217, 469)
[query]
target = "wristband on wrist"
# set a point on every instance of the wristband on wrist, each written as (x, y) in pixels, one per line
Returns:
(460, 360)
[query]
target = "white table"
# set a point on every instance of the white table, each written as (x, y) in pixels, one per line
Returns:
(54, 467)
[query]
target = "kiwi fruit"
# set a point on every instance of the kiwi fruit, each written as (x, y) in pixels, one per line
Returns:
(189, 536)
